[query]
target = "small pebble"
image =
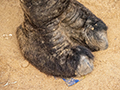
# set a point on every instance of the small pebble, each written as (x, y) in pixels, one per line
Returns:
(92, 28)
(7, 36)
(25, 64)
(95, 24)
(10, 35)
(14, 82)
(43, 42)
(6, 84)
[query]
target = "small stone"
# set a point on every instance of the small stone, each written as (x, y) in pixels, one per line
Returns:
(7, 36)
(14, 82)
(54, 55)
(95, 24)
(6, 84)
(92, 28)
(10, 35)
(25, 64)
(42, 42)
(4, 35)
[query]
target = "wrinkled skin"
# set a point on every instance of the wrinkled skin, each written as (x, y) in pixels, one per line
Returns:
(57, 36)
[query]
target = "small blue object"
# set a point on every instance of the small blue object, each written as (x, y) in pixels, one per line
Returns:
(70, 81)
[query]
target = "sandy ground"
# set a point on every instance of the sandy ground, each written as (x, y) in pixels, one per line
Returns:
(17, 74)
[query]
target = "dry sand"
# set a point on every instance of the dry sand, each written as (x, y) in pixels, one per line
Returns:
(17, 74)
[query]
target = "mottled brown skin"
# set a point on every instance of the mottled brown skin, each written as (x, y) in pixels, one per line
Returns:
(56, 36)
